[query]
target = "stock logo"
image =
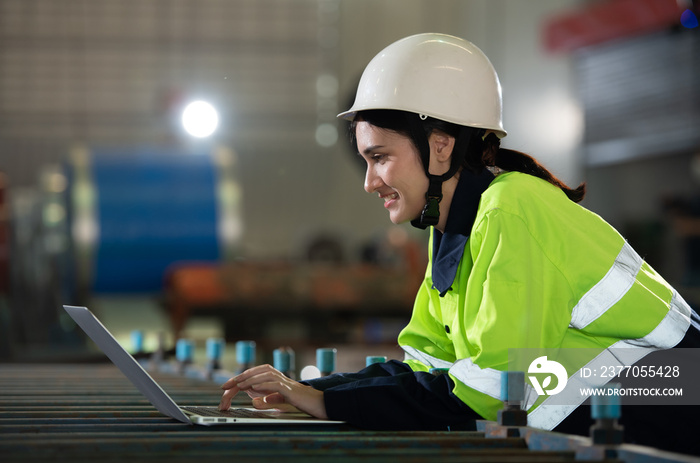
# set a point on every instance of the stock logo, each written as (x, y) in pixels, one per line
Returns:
(541, 366)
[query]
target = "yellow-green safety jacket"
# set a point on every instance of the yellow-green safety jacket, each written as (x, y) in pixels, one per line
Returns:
(538, 271)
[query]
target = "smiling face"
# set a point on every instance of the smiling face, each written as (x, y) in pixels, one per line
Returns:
(394, 171)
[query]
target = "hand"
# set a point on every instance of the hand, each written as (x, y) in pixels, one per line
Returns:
(271, 389)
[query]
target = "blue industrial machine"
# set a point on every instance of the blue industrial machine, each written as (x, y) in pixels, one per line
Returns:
(134, 213)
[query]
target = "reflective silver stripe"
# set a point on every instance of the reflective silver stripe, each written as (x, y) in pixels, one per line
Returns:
(433, 362)
(486, 380)
(548, 416)
(614, 356)
(610, 289)
(668, 333)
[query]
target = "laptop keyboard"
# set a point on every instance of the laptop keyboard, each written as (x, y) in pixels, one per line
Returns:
(230, 413)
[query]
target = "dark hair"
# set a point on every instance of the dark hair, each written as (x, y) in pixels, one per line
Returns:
(480, 153)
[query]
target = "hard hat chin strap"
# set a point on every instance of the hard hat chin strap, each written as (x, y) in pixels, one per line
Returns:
(430, 215)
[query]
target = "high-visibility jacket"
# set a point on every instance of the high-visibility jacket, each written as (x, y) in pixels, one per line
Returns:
(538, 271)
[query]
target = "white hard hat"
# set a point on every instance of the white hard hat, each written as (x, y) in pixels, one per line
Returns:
(436, 75)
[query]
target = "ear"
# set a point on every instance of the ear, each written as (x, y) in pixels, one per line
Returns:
(441, 146)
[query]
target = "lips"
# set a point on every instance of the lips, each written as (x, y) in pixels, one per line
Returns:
(389, 199)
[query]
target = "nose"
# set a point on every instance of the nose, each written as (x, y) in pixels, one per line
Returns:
(372, 180)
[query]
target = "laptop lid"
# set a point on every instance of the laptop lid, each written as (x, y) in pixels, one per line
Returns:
(125, 362)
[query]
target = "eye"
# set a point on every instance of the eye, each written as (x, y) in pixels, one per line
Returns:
(378, 157)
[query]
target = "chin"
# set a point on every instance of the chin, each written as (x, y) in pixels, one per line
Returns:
(396, 220)
(399, 219)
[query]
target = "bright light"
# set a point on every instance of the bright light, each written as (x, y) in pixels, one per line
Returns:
(200, 119)
(326, 135)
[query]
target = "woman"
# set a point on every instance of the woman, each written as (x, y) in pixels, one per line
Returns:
(515, 262)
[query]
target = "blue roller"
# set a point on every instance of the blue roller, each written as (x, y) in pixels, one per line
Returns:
(245, 353)
(215, 348)
(372, 359)
(513, 386)
(137, 341)
(281, 360)
(184, 351)
(608, 405)
(325, 359)
(153, 208)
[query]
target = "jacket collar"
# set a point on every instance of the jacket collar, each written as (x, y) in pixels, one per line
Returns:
(448, 247)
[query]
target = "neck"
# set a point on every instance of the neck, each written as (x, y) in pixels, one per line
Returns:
(448, 191)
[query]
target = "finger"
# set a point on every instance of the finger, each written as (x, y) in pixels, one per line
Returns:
(253, 394)
(261, 373)
(270, 395)
(270, 387)
(224, 404)
(304, 398)
(264, 377)
(226, 398)
(287, 408)
(273, 401)
(229, 384)
(251, 372)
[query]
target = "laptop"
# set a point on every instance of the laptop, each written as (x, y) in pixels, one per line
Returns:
(140, 378)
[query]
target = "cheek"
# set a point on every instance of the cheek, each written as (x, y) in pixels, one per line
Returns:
(405, 174)
(416, 184)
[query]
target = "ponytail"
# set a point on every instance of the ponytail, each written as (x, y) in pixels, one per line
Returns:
(511, 160)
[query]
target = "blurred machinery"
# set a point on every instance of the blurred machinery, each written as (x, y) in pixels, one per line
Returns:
(112, 221)
(4, 237)
(331, 301)
(4, 268)
(134, 214)
(325, 295)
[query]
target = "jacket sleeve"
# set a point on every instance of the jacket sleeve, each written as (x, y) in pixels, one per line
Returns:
(391, 396)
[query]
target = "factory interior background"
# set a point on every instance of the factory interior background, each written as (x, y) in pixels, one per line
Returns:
(262, 229)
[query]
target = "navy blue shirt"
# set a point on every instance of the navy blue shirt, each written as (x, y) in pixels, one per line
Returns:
(449, 247)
